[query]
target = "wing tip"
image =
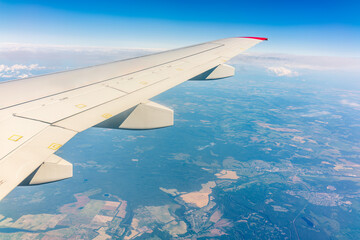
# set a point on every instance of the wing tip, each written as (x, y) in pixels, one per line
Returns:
(257, 38)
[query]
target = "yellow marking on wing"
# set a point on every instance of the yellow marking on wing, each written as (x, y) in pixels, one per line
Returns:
(80, 105)
(143, 82)
(55, 146)
(15, 138)
(107, 115)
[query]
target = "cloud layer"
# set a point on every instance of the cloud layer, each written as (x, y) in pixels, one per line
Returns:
(294, 65)
(23, 60)
(18, 70)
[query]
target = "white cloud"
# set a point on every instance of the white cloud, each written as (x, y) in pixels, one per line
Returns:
(283, 71)
(315, 113)
(18, 70)
(18, 67)
(349, 103)
(6, 75)
(23, 76)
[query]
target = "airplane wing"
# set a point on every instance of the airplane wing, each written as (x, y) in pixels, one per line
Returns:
(39, 115)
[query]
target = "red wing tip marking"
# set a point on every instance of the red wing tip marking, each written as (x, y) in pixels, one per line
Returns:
(257, 38)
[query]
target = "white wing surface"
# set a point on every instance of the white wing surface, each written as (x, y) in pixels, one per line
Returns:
(39, 115)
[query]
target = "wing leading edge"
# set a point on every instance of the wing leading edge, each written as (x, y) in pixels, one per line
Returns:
(40, 114)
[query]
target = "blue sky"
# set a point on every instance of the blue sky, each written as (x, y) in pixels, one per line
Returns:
(294, 27)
